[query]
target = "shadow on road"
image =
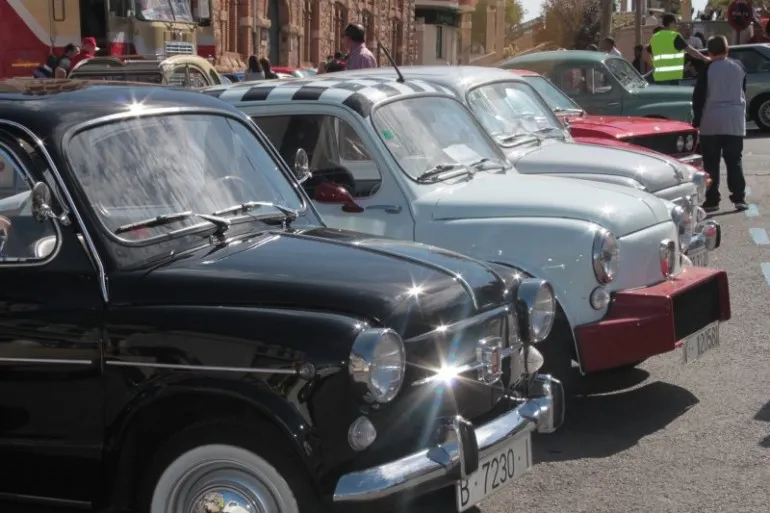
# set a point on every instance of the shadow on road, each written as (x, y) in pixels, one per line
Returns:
(764, 415)
(599, 424)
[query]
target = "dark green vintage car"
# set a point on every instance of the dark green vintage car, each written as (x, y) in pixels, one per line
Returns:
(605, 84)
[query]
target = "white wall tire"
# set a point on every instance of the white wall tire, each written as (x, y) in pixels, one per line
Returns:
(220, 478)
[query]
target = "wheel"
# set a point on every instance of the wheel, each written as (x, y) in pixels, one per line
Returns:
(222, 468)
(760, 112)
(558, 350)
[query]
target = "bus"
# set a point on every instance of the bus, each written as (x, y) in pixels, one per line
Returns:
(32, 29)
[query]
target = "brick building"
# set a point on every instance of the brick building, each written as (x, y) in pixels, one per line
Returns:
(301, 32)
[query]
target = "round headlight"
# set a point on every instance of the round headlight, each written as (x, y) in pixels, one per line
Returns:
(679, 143)
(378, 363)
(689, 142)
(535, 309)
(701, 181)
(606, 256)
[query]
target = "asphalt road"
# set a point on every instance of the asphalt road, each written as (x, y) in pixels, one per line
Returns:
(668, 438)
(671, 438)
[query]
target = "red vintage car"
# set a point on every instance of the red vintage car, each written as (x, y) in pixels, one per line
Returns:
(674, 138)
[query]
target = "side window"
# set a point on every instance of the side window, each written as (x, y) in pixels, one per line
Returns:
(573, 81)
(598, 81)
(178, 77)
(335, 150)
(752, 60)
(197, 77)
(586, 81)
(22, 238)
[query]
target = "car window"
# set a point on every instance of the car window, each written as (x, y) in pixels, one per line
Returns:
(588, 81)
(625, 73)
(752, 60)
(22, 238)
(335, 149)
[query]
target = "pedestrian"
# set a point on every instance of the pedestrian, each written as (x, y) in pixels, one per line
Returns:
(359, 56)
(651, 20)
(719, 108)
(88, 50)
(668, 49)
(336, 64)
(67, 61)
(693, 41)
(46, 69)
(253, 70)
(639, 62)
(608, 46)
(267, 69)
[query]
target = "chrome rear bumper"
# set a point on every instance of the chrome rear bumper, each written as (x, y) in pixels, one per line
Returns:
(443, 464)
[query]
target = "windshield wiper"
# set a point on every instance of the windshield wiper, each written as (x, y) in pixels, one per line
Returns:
(562, 110)
(519, 139)
(433, 174)
(221, 223)
(484, 164)
(287, 214)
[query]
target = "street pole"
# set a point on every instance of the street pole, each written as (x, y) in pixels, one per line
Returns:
(606, 19)
(638, 20)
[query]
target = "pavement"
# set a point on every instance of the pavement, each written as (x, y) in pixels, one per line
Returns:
(669, 438)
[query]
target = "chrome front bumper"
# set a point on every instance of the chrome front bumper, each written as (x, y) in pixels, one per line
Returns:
(443, 464)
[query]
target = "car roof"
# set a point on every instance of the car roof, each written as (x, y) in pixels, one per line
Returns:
(453, 77)
(558, 55)
(358, 93)
(50, 107)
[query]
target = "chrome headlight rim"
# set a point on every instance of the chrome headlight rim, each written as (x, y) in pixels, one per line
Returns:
(689, 142)
(605, 269)
(680, 143)
(684, 218)
(364, 361)
(535, 307)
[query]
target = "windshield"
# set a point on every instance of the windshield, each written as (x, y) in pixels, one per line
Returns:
(507, 109)
(626, 74)
(139, 168)
(423, 133)
(552, 95)
(165, 10)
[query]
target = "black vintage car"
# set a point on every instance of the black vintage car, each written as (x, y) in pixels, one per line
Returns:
(179, 332)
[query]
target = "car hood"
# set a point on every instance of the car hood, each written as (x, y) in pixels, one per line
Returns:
(620, 209)
(574, 158)
(409, 287)
(623, 127)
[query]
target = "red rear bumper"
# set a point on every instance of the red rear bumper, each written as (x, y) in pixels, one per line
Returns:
(650, 321)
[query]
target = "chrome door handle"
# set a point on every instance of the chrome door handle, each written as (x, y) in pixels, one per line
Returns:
(613, 104)
(390, 209)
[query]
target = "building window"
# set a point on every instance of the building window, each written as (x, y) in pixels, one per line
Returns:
(339, 22)
(233, 26)
(439, 41)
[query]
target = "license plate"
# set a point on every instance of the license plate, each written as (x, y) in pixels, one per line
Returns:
(700, 259)
(701, 341)
(495, 471)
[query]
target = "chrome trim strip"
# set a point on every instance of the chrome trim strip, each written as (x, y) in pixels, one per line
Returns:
(395, 254)
(462, 324)
(53, 361)
(55, 171)
(207, 368)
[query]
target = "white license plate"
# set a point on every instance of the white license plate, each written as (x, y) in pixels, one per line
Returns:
(701, 341)
(700, 259)
(495, 471)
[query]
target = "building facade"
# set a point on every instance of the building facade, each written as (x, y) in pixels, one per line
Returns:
(300, 33)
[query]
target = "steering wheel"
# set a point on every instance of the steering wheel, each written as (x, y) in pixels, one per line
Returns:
(5, 228)
(242, 189)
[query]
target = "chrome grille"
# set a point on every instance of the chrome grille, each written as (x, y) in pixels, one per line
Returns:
(178, 48)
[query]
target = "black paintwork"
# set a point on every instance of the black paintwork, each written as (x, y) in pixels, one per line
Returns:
(94, 398)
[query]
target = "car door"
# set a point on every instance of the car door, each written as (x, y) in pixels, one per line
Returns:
(341, 151)
(756, 62)
(51, 409)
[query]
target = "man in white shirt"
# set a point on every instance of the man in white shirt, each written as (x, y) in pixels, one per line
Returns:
(651, 19)
(608, 46)
(693, 41)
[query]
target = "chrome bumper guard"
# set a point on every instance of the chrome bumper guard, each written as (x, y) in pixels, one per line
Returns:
(708, 235)
(460, 454)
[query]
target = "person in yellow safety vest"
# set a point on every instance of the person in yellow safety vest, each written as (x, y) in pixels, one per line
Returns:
(667, 50)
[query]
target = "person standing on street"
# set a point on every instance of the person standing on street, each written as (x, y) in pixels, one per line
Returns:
(668, 49)
(67, 61)
(719, 108)
(359, 56)
(608, 46)
(88, 50)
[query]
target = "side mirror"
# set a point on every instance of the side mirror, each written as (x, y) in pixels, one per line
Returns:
(329, 192)
(301, 166)
(41, 199)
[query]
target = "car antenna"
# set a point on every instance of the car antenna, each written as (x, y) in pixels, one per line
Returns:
(392, 61)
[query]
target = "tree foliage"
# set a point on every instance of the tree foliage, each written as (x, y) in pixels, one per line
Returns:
(514, 13)
(570, 23)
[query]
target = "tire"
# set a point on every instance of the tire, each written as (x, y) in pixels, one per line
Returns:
(760, 112)
(558, 350)
(213, 463)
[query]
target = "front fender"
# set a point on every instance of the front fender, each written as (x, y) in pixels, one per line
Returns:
(595, 177)
(554, 249)
(681, 111)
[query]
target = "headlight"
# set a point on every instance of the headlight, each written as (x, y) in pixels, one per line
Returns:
(700, 179)
(606, 256)
(684, 221)
(689, 142)
(377, 363)
(535, 310)
(679, 143)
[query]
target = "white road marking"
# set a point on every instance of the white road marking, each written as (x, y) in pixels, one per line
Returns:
(766, 271)
(752, 211)
(759, 235)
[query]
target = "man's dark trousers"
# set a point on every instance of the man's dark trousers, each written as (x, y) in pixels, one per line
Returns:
(713, 149)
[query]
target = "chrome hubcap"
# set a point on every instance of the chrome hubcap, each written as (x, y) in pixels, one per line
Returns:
(764, 113)
(223, 487)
